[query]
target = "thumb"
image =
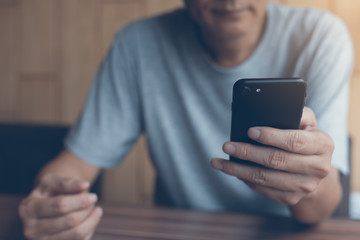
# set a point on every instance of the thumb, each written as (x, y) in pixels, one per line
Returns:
(54, 185)
(308, 119)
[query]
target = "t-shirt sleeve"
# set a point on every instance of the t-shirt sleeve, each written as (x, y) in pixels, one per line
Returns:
(110, 122)
(329, 71)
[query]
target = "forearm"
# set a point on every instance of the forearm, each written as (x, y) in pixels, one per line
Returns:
(68, 165)
(322, 203)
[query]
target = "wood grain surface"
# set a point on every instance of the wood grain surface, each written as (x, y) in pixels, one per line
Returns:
(126, 222)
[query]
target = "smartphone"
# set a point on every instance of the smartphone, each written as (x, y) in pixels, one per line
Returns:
(272, 102)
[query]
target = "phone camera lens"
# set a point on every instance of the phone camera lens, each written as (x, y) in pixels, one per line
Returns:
(245, 91)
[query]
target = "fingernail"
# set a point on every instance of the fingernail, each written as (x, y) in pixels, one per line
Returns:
(92, 198)
(254, 133)
(217, 164)
(229, 148)
(99, 211)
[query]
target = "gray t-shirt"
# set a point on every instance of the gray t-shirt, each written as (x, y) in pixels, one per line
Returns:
(158, 80)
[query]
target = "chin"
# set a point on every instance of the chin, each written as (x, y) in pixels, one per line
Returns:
(229, 32)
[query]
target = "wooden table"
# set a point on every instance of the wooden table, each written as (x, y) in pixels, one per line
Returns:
(123, 222)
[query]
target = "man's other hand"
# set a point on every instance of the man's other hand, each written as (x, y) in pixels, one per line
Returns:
(295, 161)
(60, 208)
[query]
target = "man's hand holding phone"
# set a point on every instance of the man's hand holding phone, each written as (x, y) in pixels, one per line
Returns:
(296, 162)
(60, 208)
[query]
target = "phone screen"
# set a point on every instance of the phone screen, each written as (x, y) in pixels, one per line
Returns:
(276, 103)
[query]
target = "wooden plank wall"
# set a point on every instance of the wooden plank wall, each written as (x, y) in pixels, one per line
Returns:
(50, 51)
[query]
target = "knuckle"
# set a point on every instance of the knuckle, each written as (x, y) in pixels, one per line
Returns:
(60, 205)
(295, 141)
(329, 145)
(291, 200)
(246, 151)
(61, 183)
(258, 176)
(309, 186)
(276, 159)
(228, 168)
(65, 182)
(323, 170)
(24, 209)
(267, 135)
(71, 220)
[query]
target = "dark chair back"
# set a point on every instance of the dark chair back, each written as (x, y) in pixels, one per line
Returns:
(24, 150)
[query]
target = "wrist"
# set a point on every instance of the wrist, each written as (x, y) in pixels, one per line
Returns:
(320, 204)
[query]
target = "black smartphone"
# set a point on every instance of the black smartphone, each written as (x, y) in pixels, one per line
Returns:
(272, 102)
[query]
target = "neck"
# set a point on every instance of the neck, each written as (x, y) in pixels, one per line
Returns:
(231, 52)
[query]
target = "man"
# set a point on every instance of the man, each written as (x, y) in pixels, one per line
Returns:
(171, 77)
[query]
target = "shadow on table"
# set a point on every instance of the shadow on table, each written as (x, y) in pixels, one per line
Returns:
(280, 228)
